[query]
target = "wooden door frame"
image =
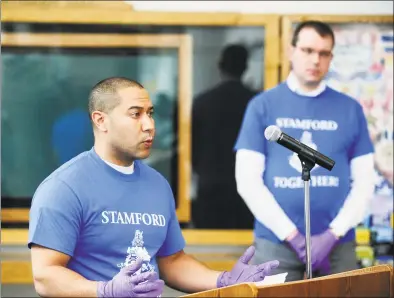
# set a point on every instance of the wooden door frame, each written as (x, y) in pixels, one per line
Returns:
(118, 12)
(181, 42)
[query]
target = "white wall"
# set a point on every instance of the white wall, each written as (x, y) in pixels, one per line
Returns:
(272, 7)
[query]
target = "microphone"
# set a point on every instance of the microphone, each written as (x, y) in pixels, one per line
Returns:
(273, 133)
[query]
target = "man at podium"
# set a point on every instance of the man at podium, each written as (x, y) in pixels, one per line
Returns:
(104, 224)
(269, 176)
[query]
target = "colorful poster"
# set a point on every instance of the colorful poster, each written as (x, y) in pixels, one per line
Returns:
(363, 68)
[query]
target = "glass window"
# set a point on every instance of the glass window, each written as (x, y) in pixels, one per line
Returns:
(45, 121)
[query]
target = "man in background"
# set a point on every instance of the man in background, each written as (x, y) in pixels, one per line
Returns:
(269, 175)
(71, 135)
(217, 117)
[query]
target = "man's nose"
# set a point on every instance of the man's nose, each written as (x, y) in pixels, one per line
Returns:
(147, 123)
(315, 57)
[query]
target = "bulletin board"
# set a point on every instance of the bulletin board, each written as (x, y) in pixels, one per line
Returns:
(362, 67)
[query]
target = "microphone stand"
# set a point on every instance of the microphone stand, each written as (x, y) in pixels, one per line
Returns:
(308, 161)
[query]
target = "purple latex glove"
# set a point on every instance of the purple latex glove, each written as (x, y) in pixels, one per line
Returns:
(124, 284)
(325, 267)
(321, 246)
(297, 244)
(243, 272)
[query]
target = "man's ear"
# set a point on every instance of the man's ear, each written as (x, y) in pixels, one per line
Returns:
(99, 120)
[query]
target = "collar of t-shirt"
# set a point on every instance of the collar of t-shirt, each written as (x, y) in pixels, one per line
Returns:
(294, 86)
(124, 170)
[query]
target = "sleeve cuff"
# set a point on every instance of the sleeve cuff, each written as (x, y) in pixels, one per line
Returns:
(339, 230)
(285, 230)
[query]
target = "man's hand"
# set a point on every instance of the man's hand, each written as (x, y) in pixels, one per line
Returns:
(325, 267)
(243, 272)
(125, 284)
(321, 246)
(296, 242)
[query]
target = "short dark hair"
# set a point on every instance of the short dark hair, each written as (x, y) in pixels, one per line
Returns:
(233, 59)
(104, 95)
(323, 29)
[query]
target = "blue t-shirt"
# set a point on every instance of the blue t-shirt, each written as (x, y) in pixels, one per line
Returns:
(331, 123)
(105, 219)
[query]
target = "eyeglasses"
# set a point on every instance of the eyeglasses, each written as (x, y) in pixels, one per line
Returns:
(321, 54)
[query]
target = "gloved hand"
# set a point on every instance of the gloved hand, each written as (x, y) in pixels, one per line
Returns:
(297, 244)
(321, 246)
(124, 284)
(243, 272)
(325, 267)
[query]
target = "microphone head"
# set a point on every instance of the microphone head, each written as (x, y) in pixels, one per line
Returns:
(272, 133)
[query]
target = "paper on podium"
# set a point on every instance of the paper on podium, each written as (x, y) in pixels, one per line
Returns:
(272, 280)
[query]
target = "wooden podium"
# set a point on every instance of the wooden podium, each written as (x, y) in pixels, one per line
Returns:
(376, 281)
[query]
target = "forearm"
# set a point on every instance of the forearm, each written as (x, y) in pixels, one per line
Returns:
(188, 275)
(258, 198)
(267, 211)
(351, 214)
(356, 204)
(58, 281)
